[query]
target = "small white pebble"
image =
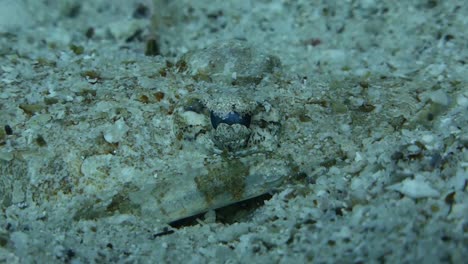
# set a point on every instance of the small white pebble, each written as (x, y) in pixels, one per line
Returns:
(358, 157)
(462, 101)
(427, 138)
(116, 132)
(414, 188)
(440, 97)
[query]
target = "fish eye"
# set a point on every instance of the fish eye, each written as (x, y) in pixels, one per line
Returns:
(230, 118)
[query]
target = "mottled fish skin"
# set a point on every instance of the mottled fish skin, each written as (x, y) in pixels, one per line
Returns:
(227, 182)
(231, 62)
(244, 164)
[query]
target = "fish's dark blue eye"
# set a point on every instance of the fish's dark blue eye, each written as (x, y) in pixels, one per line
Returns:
(231, 118)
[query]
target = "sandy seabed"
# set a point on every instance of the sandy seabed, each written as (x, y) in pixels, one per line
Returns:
(107, 131)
